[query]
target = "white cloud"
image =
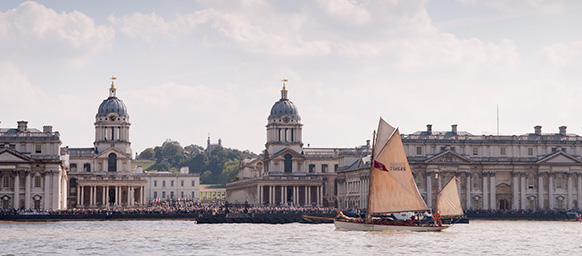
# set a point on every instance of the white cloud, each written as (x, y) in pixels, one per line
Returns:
(346, 11)
(539, 7)
(562, 55)
(34, 31)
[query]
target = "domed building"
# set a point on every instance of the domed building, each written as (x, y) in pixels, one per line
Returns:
(101, 175)
(287, 173)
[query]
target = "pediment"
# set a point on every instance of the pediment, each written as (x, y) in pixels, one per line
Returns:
(108, 151)
(10, 156)
(449, 157)
(559, 157)
(283, 152)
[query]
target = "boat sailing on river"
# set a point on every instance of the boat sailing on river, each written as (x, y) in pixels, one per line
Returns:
(392, 189)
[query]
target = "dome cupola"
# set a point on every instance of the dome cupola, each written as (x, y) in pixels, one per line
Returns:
(284, 107)
(112, 104)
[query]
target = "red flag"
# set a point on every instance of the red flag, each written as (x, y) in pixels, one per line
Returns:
(380, 166)
(458, 180)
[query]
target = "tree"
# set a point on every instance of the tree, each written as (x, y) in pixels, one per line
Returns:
(147, 153)
(229, 171)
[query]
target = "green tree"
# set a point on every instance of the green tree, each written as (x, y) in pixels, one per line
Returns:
(147, 153)
(230, 170)
(206, 177)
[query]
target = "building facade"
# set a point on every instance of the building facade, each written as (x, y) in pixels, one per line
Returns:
(102, 176)
(32, 173)
(288, 173)
(520, 172)
(167, 185)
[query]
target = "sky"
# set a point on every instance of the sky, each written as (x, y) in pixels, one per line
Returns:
(186, 69)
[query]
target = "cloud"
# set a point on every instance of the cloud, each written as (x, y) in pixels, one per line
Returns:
(538, 7)
(562, 55)
(346, 11)
(33, 31)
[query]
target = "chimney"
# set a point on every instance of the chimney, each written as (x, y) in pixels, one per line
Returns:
(47, 129)
(429, 129)
(538, 129)
(454, 128)
(563, 130)
(367, 143)
(22, 126)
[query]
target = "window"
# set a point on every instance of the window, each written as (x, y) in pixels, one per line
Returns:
(475, 151)
(87, 167)
(112, 163)
(453, 149)
(530, 151)
(502, 151)
(182, 184)
(311, 168)
(37, 148)
(155, 183)
(182, 194)
(172, 194)
(37, 204)
(193, 183)
(419, 150)
(163, 194)
(443, 148)
(476, 182)
(163, 183)
(530, 182)
(155, 194)
(37, 181)
(73, 167)
(6, 182)
(193, 194)
(171, 183)
(335, 167)
(288, 163)
(559, 182)
(324, 168)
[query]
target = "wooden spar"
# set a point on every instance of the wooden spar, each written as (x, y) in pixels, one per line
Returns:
(316, 217)
(368, 210)
(438, 190)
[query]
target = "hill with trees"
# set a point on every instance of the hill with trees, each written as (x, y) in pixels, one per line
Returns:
(218, 166)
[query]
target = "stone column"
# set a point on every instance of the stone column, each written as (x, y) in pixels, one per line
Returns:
(485, 192)
(523, 191)
(320, 196)
(106, 196)
(284, 195)
(55, 188)
(570, 198)
(78, 195)
(27, 191)
(551, 190)
(308, 195)
(493, 192)
(259, 194)
(579, 190)
(540, 190)
(103, 197)
(428, 188)
(468, 195)
(16, 189)
(47, 184)
(82, 196)
(515, 186)
(305, 195)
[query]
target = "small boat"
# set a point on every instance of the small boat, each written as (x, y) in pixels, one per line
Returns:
(392, 189)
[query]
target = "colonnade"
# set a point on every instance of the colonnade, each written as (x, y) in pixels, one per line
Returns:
(110, 194)
(42, 195)
(298, 194)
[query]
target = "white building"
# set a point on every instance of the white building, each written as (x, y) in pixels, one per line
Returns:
(167, 185)
(530, 171)
(32, 173)
(102, 175)
(288, 173)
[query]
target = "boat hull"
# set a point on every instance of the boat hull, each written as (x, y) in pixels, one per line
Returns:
(359, 226)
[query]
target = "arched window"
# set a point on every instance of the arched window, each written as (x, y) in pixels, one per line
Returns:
(112, 163)
(288, 164)
(476, 181)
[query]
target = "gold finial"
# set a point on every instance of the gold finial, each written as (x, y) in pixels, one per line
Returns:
(284, 82)
(113, 78)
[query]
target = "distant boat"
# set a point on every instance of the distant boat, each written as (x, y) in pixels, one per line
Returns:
(392, 189)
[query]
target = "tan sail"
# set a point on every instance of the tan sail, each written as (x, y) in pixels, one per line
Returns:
(449, 203)
(393, 189)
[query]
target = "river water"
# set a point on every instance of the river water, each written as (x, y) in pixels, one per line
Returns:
(189, 238)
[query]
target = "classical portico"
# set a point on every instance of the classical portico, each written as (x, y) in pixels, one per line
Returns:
(122, 193)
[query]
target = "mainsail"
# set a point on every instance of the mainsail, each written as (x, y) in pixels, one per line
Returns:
(392, 187)
(449, 203)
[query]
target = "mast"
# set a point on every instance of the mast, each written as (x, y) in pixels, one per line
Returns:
(368, 211)
(438, 189)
